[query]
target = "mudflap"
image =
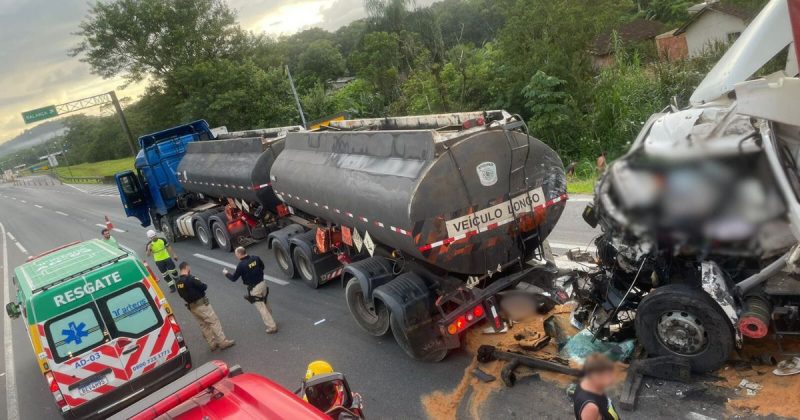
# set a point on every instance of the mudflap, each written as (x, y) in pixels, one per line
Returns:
(715, 285)
(372, 273)
(411, 303)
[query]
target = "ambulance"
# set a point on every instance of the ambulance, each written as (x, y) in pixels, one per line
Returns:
(102, 331)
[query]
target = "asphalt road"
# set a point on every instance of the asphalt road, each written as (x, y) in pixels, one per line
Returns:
(314, 324)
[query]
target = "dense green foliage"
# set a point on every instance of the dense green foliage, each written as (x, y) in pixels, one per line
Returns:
(530, 57)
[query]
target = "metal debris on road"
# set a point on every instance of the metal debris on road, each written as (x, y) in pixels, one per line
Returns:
(320, 321)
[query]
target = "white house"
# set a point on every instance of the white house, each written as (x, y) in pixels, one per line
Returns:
(710, 23)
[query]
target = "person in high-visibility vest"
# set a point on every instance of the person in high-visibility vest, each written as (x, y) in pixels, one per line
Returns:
(163, 255)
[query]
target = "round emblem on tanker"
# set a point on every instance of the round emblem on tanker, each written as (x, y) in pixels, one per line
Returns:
(487, 173)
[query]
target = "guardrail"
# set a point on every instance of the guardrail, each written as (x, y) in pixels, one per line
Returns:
(84, 179)
(36, 181)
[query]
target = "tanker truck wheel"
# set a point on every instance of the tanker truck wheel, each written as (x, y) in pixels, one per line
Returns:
(284, 259)
(304, 267)
(166, 229)
(400, 336)
(222, 237)
(204, 235)
(374, 321)
(679, 320)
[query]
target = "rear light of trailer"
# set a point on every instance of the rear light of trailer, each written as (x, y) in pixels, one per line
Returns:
(466, 320)
(51, 383)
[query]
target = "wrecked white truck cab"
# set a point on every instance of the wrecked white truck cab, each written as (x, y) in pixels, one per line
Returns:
(700, 219)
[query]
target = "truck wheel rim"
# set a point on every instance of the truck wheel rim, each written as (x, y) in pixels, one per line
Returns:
(681, 332)
(221, 240)
(305, 267)
(202, 234)
(283, 261)
(364, 312)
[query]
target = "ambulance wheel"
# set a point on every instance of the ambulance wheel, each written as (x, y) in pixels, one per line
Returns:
(683, 321)
(284, 259)
(204, 235)
(374, 321)
(422, 355)
(222, 237)
(306, 269)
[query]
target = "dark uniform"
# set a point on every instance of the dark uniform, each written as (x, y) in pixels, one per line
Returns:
(193, 291)
(251, 270)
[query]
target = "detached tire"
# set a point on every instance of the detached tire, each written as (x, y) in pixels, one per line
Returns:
(203, 235)
(399, 334)
(284, 259)
(375, 322)
(305, 267)
(221, 236)
(679, 320)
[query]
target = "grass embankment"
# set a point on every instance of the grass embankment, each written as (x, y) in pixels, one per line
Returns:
(581, 186)
(104, 168)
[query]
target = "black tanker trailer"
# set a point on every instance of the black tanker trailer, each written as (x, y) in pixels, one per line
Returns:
(423, 218)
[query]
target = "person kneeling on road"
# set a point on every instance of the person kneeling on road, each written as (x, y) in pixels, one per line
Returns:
(161, 250)
(251, 270)
(193, 291)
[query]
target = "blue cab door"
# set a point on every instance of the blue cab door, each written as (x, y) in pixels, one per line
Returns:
(133, 196)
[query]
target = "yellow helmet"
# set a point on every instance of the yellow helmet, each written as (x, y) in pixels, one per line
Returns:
(318, 367)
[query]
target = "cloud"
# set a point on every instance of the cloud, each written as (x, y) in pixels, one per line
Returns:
(36, 35)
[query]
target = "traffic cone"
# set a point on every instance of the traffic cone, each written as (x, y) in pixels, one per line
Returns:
(109, 225)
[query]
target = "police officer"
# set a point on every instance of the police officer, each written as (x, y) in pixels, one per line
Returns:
(251, 270)
(193, 291)
(161, 250)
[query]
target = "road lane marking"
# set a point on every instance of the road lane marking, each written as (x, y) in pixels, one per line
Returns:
(79, 189)
(233, 266)
(12, 409)
(24, 202)
(62, 213)
(11, 236)
(114, 229)
(38, 206)
(21, 248)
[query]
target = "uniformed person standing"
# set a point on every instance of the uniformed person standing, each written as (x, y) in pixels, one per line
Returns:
(193, 291)
(251, 270)
(163, 254)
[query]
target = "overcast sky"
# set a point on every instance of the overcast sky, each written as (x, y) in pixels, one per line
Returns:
(35, 36)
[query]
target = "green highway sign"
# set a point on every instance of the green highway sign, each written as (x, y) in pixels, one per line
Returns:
(39, 114)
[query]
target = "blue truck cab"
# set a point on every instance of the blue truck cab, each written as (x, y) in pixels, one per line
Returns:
(152, 189)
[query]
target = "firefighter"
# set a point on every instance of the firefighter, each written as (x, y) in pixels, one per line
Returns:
(251, 270)
(193, 291)
(163, 255)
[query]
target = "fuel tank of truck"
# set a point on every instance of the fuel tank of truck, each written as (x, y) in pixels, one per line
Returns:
(466, 201)
(236, 167)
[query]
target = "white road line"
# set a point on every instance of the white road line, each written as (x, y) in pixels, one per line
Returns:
(79, 189)
(38, 206)
(21, 248)
(13, 198)
(24, 202)
(233, 266)
(62, 213)
(119, 230)
(11, 236)
(12, 408)
(584, 247)
(100, 225)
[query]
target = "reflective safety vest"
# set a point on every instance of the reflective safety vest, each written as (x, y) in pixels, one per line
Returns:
(159, 249)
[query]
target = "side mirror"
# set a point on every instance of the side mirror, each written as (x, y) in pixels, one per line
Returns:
(13, 311)
(327, 392)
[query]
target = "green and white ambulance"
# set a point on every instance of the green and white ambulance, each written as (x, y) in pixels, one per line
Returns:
(103, 333)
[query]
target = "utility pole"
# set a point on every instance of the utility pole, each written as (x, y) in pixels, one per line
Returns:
(296, 98)
(123, 122)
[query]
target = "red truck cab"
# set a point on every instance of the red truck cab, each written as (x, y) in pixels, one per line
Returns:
(213, 391)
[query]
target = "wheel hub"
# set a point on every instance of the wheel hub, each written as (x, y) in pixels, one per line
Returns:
(682, 332)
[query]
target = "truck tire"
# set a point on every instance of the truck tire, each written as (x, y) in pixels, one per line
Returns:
(399, 334)
(203, 235)
(375, 322)
(284, 259)
(166, 229)
(304, 266)
(679, 320)
(221, 236)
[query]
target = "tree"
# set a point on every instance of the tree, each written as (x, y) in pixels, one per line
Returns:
(377, 62)
(321, 61)
(141, 38)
